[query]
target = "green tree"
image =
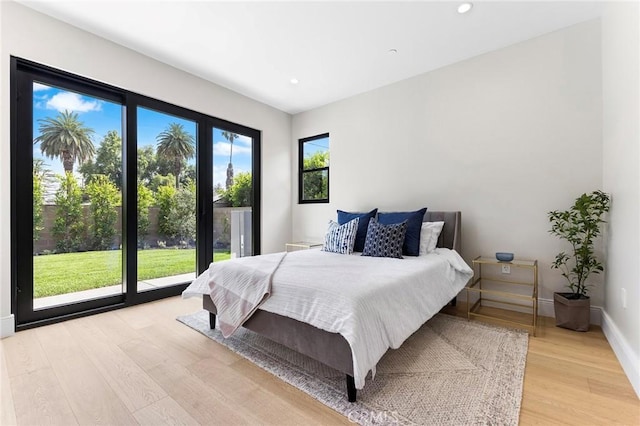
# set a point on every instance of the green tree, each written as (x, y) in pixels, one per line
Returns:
(65, 137)
(108, 160)
(316, 183)
(176, 145)
(145, 201)
(230, 136)
(105, 198)
(240, 194)
(147, 164)
(188, 175)
(69, 226)
(161, 180)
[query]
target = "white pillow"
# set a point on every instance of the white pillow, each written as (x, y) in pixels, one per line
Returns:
(429, 233)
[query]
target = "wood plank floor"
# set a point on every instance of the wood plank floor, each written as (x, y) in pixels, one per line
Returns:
(140, 366)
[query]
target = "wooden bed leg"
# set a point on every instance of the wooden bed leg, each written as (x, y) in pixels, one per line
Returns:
(351, 389)
(212, 321)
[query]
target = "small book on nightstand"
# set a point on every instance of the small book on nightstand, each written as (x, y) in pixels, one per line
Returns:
(302, 245)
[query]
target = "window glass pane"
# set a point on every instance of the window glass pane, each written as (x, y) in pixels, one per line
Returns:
(315, 185)
(77, 181)
(166, 199)
(316, 154)
(233, 195)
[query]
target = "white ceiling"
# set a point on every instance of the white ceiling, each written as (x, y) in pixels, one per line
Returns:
(335, 49)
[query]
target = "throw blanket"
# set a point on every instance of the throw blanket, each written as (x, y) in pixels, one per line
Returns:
(237, 288)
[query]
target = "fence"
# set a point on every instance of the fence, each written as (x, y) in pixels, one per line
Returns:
(221, 227)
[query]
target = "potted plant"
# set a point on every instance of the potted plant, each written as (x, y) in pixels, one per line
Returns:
(580, 226)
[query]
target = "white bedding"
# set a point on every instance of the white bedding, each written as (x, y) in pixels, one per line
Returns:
(374, 303)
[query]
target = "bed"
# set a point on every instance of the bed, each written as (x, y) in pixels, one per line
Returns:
(332, 348)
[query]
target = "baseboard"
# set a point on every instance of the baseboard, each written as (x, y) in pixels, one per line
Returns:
(545, 309)
(629, 360)
(7, 326)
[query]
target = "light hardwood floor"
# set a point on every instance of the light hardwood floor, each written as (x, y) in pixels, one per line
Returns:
(140, 366)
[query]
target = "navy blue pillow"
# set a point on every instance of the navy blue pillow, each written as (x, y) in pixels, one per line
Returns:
(363, 224)
(384, 240)
(411, 246)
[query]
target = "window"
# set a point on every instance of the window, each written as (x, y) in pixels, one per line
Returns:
(313, 178)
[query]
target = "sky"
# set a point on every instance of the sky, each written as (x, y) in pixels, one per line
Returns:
(103, 116)
(313, 146)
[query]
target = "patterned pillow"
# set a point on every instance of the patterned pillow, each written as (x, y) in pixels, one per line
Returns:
(361, 235)
(384, 240)
(340, 238)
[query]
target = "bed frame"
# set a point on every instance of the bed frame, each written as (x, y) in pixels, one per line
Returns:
(330, 348)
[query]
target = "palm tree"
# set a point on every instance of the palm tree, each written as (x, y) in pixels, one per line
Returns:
(176, 145)
(230, 136)
(67, 138)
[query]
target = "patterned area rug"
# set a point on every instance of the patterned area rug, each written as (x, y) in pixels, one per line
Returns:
(450, 372)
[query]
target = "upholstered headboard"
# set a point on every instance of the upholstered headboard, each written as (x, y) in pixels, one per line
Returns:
(450, 236)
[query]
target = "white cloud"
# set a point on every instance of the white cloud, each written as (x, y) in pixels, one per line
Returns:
(224, 148)
(68, 101)
(243, 140)
(39, 87)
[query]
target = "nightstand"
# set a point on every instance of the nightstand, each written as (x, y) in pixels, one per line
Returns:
(504, 291)
(302, 245)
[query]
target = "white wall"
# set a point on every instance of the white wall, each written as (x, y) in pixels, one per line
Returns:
(503, 137)
(621, 175)
(31, 35)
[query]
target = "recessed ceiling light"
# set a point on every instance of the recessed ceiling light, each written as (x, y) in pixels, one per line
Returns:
(393, 51)
(294, 81)
(465, 7)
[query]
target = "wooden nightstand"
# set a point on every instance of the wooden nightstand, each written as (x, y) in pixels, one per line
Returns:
(502, 291)
(302, 245)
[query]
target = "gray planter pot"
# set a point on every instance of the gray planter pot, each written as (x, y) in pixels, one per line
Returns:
(573, 314)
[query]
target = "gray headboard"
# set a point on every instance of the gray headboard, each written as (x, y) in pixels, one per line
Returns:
(450, 236)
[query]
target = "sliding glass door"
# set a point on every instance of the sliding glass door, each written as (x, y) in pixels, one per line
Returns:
(77, 177)
(233, 197)
(118, 198)
(166, 201)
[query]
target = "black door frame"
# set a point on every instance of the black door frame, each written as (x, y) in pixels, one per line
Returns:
(23, 73)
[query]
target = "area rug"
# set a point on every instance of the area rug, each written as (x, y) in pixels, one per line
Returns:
(450, 372)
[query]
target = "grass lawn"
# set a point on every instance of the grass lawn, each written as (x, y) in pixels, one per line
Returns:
(70, 272)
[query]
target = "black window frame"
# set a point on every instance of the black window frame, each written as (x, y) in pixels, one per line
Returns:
(302, 171)
(22, 71)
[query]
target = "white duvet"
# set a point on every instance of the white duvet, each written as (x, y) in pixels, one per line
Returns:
(374, 303)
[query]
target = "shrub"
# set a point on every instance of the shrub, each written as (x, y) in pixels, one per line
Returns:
(69, 227)
(177, 213)
(166, 199)
(182, 216)
(240, 194)
(145, 200)
(105, 197)
(38, 196)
